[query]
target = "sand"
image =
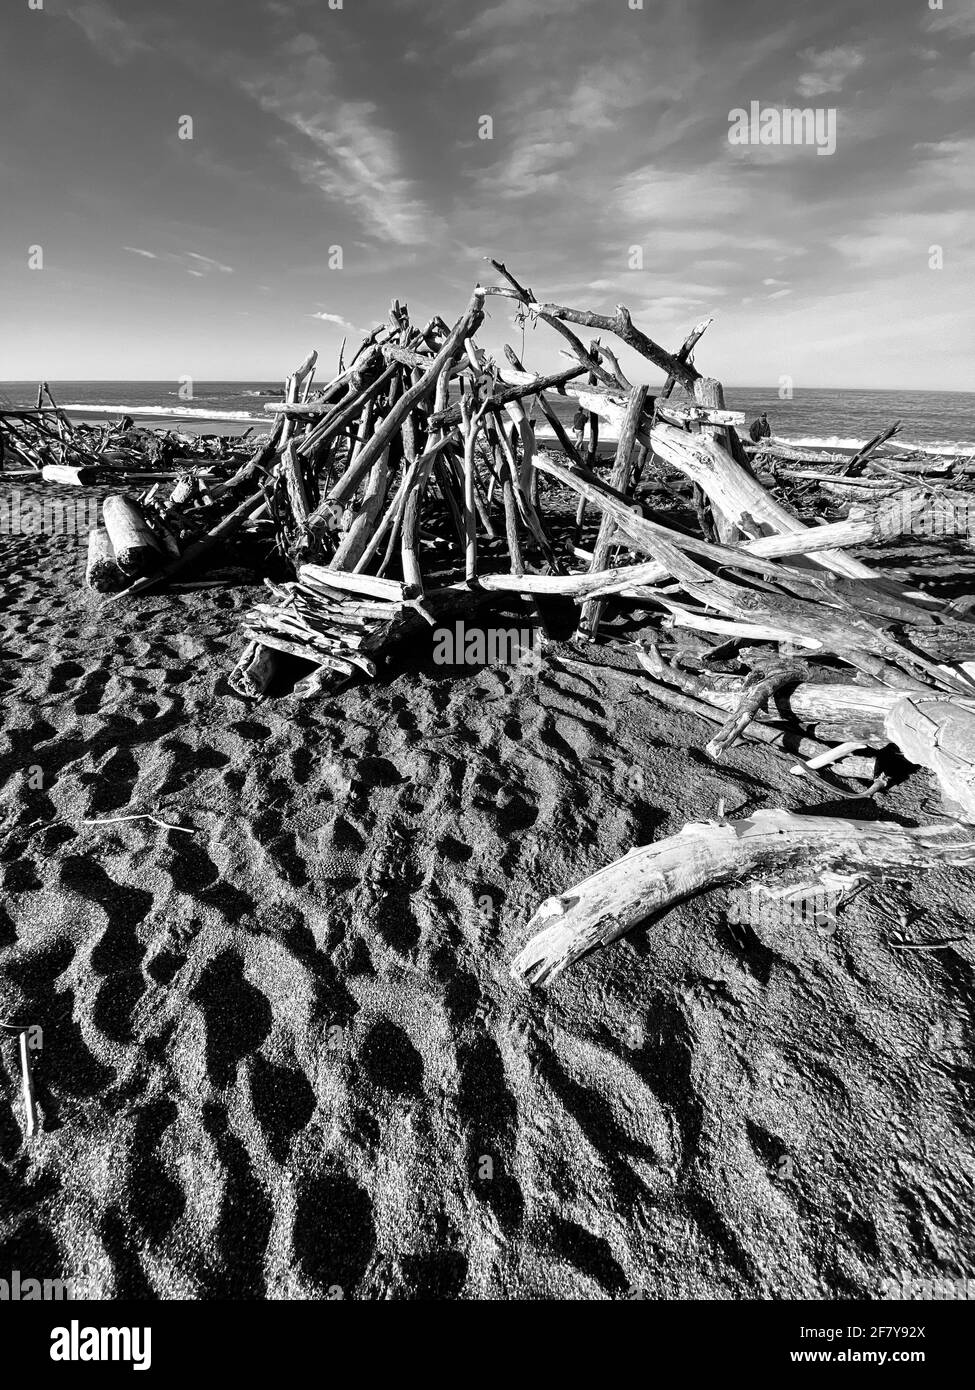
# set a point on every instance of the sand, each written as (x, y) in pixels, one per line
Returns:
(283, 1056)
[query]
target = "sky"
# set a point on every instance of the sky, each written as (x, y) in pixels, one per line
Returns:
(609, 177)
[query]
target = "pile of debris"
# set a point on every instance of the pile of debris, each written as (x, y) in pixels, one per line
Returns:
(43, 443)
(412, 488)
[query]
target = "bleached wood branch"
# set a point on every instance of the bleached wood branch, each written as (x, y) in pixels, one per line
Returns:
(651, 880)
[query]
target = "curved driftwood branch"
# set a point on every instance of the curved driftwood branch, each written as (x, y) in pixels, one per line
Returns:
(651, 880)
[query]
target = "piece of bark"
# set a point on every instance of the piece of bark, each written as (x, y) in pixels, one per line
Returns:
(254, 671)
(651, 880)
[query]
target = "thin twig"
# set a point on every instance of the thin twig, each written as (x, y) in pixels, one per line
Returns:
(114, 820)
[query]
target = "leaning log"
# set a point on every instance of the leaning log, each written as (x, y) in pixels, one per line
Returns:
(740, 497)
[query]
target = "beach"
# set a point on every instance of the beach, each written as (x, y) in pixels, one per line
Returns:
(283, 1056)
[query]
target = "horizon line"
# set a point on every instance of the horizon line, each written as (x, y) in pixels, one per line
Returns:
(260, 380)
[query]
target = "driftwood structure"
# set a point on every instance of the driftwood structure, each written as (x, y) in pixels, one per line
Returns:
(415, 485)
(43, 444)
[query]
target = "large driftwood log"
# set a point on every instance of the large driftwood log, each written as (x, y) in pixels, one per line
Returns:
(137, 552)
(651, 880)
(939, 734)
(221, 531)
(740, 497)
(860, 712)
(800, 745)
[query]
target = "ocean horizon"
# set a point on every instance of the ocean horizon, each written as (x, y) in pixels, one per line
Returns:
(815, 417)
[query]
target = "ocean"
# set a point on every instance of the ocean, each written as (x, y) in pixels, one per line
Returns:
(940, 421)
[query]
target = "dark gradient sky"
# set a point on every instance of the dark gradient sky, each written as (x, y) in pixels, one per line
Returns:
(359, 127)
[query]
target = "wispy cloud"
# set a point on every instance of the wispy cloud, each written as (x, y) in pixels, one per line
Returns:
(192, 262)
(114, 38)
(334, 318)
(516, 13)
(207, 264)
(828, 69)
(353, 157)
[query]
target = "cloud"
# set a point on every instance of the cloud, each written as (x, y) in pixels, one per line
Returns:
(828, 69)
(114, 38)
(191, 261)
(207, 263)
(334, 318)
(514, 13)
(355, 160)
(952, 21)
(873, 249)
(547, 128)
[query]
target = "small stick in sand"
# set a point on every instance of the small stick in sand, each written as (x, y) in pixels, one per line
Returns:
(30, 1105)
(114, 820)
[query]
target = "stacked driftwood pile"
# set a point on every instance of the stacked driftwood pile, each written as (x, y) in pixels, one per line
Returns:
(44, 443)
(412, 487)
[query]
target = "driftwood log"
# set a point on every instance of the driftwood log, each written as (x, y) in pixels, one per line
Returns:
(137, 551)
(651, 880)
(101, 571)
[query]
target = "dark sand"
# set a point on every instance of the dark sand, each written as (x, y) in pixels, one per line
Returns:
(284, 1056)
